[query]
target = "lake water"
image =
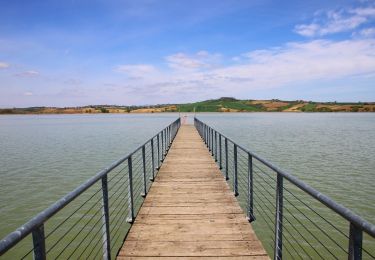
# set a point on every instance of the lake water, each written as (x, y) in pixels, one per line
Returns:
(42, 157)
(332, 152)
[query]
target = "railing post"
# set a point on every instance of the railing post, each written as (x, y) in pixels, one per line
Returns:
(144, 171)
(39, 243)
(105, 220)
(278, 253)
(212, 142)
(221, 154)
(355, 243)
(164, 142)
(205, 135)
(158, 144)
(170, 134)
(250, 191)
(226, 159)
(167, 139)
(235, 181)
(130, 219)
(215, 146)
(175, 130)
(209, 139)
(152, 160)
(162, 145)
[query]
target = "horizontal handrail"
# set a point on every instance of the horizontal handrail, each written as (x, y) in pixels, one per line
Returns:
(14, 237)
(338, 208)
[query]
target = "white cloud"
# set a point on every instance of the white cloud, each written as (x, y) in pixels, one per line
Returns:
(28, 73)
(367, 11)
(4, 65)
(28, 93)
(336, 21)
(301, 62)
(308, 30)
(199, 60)
(293, 63)
(368, 32)
(182, 61)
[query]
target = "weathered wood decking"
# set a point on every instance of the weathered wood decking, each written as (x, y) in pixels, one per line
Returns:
(190, 212)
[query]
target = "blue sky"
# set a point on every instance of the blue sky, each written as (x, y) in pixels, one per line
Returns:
(81, 52)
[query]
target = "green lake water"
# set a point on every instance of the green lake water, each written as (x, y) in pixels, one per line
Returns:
(43, 157)
(332, 152)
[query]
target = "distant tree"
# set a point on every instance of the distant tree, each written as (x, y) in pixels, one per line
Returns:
(227, 99)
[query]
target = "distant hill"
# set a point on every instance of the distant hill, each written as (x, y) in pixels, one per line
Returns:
(224, 104)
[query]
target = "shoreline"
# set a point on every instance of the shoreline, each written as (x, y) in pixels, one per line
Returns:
(205, 112)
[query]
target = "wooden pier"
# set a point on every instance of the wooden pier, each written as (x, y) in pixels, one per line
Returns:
(190, 212)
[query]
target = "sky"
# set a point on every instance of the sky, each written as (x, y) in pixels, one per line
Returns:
(141, 52)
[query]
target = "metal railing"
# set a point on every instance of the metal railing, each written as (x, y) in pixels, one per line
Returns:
(293, 220)
(92, 221)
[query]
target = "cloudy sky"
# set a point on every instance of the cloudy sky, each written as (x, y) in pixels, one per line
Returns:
(81, 52)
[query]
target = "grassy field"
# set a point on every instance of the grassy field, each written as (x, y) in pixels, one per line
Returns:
(225, 104)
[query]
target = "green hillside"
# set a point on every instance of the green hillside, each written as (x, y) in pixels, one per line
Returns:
(218, 105)
(227, 104)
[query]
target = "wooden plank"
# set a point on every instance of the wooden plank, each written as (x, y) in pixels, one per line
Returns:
(190, 211)
(253, 257)
(227, 209)
(189, 230)
(225, 219)
(193, 248)
(230, 218)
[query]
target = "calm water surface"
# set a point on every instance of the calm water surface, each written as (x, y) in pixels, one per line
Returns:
(333, 152)
(43, 157)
